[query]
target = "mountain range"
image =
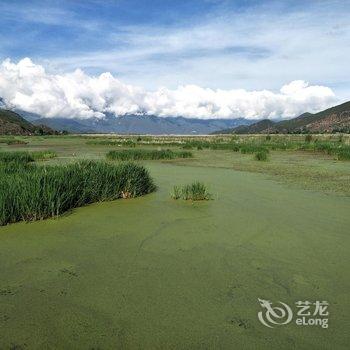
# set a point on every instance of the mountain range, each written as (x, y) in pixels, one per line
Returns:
(17, 122)
(139, 124)
(334, 119)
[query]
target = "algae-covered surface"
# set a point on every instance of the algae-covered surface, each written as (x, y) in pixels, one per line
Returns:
(154, 273)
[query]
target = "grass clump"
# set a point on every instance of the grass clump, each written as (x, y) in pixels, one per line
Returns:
(308, 138)
(343, 153)
(337, 149)
(103, 142)
(177, 192)
(12, 141)
(43, 155)
(26, 157)
(260, 155)
(251, 148)
(38, 192)
(195, 191)
(20, 157)
(111, 142)
(143, 154)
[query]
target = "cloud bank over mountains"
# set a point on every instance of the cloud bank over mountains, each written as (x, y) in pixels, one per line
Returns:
(28, 86)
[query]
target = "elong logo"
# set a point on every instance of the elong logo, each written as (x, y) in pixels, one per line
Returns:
(282, 313)
(276, 315)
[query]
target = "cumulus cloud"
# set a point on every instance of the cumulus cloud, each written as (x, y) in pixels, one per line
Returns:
(27, 86)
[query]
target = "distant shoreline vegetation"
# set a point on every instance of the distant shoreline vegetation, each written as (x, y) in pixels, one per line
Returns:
(145, 154)
(30, 192)
(340, 150)
(247, 144)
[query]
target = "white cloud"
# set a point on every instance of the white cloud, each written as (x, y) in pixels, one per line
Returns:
(260, 46)
(26, 85)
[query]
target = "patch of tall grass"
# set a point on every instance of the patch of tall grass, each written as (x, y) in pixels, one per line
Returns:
(43, 155)
(261, 155)
(21, 157)
(245, 145)
(26, 157)
(127, 143)
(308, 138)
(176, 193)
(39, 192)
(215, 145)
(132, 142)
(337, 149)
(195, 191)
(250, 148)
(14, 166)
(12, 141)
(144, 154)
(343, 153)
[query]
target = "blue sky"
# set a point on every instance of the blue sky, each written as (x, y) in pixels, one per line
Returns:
(252, 45)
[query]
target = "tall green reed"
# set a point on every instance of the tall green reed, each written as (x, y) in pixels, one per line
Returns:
(145, 154)
(29, 192)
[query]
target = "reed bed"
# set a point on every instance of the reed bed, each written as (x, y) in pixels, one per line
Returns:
(144, 154)
(21, 157)
(43, 155)
(29, 192)
(126, 143)
(195, 191)
(249, 144)
(144, 141)
(261, 156)
(339, 149)
(343, 154)
(26, 157)
(12, 141)
(251, 148)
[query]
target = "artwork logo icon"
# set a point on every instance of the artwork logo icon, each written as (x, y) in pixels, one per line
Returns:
(274, 315)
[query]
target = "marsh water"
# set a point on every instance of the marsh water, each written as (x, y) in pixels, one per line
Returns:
(155, 273)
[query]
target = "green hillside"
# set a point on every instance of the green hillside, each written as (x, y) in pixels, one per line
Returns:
(334, 119)
(12, 123)
(329, 120)
(255, 128)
